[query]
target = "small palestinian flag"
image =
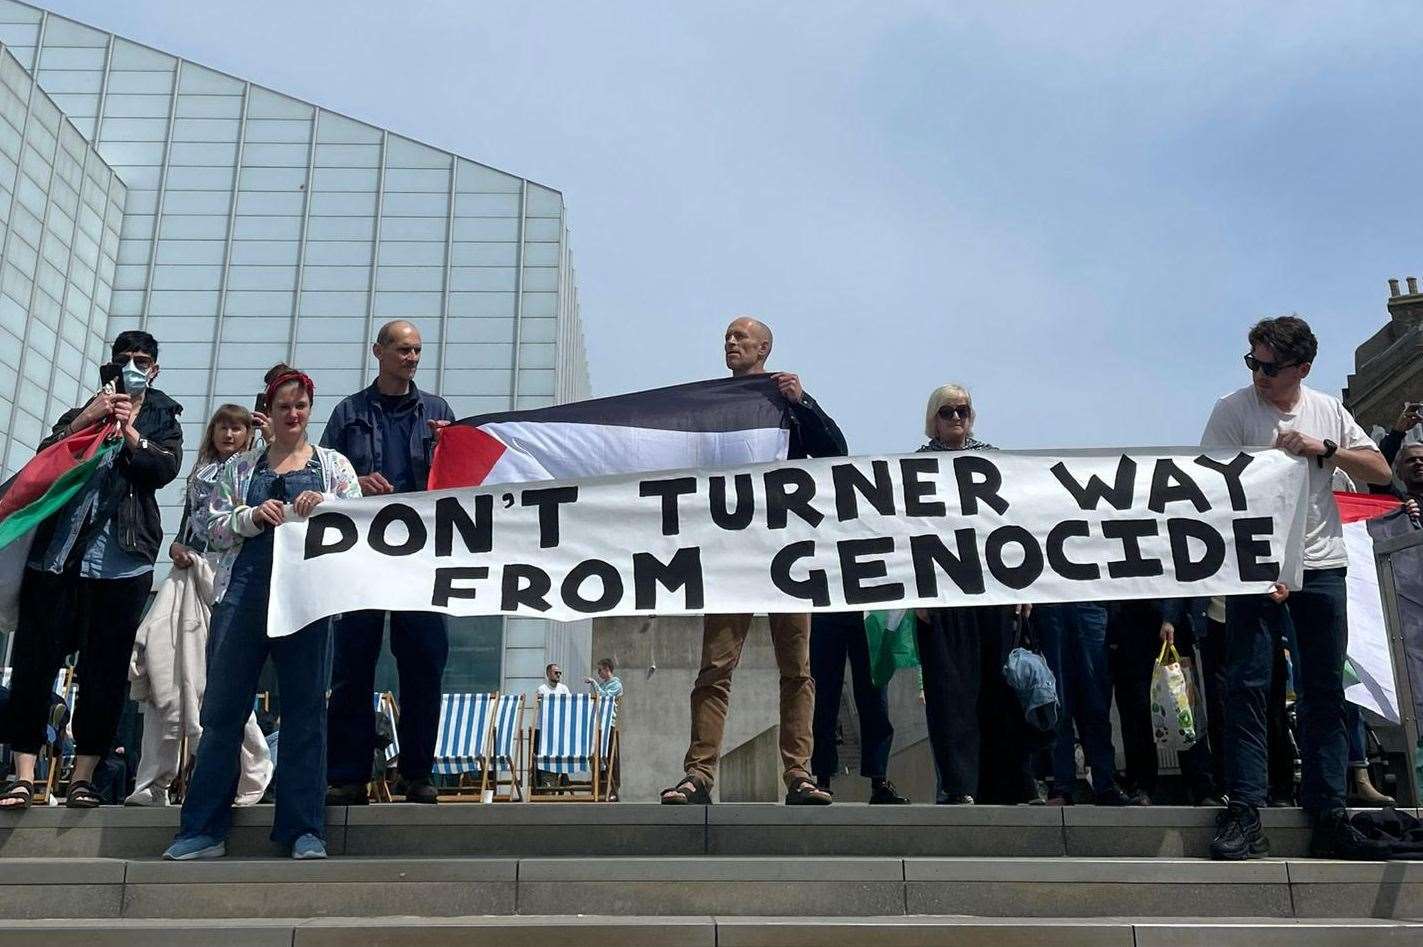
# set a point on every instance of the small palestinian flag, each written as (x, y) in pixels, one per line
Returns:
(720, 423)
(49, 479)
(892, 643)
(1369, 670)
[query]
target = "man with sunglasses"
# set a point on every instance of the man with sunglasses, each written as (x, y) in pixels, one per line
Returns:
(90, 570)
(1279, 410)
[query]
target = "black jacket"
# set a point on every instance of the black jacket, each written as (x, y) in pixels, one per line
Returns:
(139, 474)
(813, 433)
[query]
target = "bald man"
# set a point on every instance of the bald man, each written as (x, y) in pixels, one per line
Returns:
(747, 345)
(387, 431)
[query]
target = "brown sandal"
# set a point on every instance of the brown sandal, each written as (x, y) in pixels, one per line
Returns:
(21, 789)
(688, 792)
(804, 792)
(81, 795)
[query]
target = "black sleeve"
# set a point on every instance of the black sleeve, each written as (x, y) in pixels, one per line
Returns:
(1391, 444)
(813, 432)
(155, 467)
(61, 427)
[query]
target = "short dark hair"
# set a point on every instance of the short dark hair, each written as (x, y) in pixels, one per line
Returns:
(551, 664)
(136, 340)
(607, 663)
(1289, 337)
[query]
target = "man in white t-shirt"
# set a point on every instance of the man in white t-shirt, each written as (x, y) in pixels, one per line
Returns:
(553, 681)
(1278, 410)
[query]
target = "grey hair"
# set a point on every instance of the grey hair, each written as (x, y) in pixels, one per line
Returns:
(937, 398)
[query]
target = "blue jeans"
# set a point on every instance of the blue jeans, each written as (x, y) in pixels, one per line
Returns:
(1317, 612)
(240, 629)
(1074, 641)
(421, 645)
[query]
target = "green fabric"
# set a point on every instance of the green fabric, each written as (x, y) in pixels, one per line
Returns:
(891, 643)
(59, 493)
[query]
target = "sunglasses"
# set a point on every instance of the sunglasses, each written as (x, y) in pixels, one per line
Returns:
(141, 362)
(1271, 369)
(961, 411)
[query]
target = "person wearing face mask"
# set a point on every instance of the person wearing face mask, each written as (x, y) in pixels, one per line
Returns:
(170, 656)
(89, 572)
(257, 491)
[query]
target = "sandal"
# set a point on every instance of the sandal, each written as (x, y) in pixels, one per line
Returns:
(22, 790)
(804, 792)
(688, 792)
(81, 795)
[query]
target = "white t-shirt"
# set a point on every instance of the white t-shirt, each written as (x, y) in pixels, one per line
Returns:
(559, 688)
(1244, 419)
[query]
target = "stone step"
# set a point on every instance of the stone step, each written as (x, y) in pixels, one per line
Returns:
(572, 829)
(676, 886)
(718, 931)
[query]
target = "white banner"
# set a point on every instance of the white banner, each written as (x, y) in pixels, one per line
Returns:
(963, 528)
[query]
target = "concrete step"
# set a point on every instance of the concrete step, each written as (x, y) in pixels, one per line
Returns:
(572, 829)
(708, 885)
(718, 931)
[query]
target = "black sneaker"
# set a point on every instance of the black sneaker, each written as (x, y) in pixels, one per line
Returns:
(1238, 834)
(1112, 797)
(421, 791)
(1335, 837)
(884, 794)
(349, 795)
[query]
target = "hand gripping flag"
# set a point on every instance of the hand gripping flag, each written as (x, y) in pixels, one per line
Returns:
(1369, 681)
(720, 423)
(41, 487)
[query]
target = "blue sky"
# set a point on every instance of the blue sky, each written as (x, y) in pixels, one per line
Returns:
(1075, 209)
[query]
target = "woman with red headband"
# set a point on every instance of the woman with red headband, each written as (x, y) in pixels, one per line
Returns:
(257, 491)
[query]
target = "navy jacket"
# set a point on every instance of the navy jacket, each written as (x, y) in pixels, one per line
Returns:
(355, 430)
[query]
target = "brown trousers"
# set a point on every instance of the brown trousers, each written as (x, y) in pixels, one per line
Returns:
(722, 639)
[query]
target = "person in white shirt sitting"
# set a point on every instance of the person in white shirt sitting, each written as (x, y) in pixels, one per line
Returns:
(552, 684)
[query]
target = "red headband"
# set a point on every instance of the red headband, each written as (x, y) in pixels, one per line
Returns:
(286, 378)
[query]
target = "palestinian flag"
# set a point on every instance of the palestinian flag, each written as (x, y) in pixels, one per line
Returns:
(42, 486)
(720, 423)
(1369, 680)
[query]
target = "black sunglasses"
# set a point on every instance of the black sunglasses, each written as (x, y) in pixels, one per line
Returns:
(961, 411)
(1271, 369)
(141, 362)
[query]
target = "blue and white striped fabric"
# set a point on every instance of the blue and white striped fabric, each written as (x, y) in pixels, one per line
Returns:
(506, 730)
(565, 733)
(382, 706)
(607, 713)
(463, 737)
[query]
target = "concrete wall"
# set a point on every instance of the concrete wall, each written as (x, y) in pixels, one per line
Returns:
(655, 718)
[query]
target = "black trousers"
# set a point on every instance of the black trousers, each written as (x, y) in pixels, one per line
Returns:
(61, 613)
(421, 645)
(977, 728)
(834, 638)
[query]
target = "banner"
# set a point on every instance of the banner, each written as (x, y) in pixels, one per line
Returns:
(830, 534)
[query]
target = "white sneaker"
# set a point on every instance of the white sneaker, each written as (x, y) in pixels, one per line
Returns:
(148, 796)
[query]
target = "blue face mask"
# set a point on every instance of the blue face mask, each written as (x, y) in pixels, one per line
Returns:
(135, 379)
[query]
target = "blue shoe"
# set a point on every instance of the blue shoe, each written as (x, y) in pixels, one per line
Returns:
(308, 846)
(198, 846)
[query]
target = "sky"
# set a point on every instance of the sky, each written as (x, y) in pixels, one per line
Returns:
(1075, 209)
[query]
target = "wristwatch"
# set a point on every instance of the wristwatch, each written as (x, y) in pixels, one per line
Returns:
(1329, 448)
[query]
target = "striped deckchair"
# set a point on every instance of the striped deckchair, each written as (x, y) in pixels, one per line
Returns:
(506, 752)
(383, 703)
(568, 746)
(462, 738)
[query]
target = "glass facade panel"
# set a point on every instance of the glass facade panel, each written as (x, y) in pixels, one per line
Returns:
(217, 213)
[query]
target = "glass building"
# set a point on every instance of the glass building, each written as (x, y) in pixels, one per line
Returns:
(244, 227)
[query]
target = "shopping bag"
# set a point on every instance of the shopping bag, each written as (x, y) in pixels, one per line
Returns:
(1173, 720)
